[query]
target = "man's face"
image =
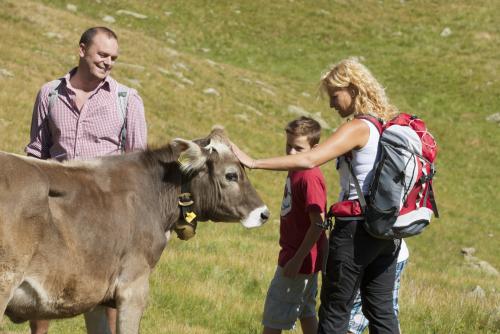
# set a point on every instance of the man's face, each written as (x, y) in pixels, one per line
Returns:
(297, 144)
(99, 56)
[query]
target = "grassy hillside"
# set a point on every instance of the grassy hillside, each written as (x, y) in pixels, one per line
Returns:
(264, 60)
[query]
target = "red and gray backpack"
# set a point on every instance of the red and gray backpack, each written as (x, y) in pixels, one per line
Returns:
(401, 200)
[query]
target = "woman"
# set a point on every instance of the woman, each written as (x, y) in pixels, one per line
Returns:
(356, 259)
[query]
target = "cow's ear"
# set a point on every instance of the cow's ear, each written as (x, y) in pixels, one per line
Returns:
(189, 155)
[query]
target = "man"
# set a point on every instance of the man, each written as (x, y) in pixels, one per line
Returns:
(80, 117)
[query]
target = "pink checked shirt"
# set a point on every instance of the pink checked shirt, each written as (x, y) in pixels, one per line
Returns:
(94, 131)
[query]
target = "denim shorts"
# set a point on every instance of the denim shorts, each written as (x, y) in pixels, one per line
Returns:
(289, 299)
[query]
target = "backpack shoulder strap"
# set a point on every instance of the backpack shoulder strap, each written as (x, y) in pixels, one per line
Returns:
(361, 196)
(372, 119)
(54, 93)
(122, 93)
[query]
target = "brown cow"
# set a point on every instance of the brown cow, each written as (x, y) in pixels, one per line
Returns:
(80, 234)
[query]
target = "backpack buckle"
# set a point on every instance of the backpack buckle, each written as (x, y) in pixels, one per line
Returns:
(185, 199)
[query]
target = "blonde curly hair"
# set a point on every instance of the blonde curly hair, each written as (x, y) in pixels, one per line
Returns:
(370, 98)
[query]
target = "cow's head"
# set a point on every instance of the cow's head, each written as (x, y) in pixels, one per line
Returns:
(220, 187)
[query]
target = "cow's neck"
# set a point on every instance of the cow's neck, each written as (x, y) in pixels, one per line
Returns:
(166, 183)
(167, 179)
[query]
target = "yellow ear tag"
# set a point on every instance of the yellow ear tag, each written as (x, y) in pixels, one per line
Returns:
(183, 159)
(190, 216)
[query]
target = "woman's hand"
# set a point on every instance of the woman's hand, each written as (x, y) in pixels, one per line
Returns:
(242, 156)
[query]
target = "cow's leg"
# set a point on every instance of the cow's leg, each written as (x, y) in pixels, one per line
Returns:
(96, 321)
(132, 299)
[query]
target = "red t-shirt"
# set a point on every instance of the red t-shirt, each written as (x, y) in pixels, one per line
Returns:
(305, 191)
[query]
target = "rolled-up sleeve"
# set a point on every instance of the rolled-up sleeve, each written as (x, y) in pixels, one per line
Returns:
(40, 139)
(137, 135)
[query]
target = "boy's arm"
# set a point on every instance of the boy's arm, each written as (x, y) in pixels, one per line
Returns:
(292, 267)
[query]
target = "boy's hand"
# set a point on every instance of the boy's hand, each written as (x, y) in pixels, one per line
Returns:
(292, 267)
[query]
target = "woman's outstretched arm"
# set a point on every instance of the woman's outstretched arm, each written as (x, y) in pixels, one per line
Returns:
(351, 135)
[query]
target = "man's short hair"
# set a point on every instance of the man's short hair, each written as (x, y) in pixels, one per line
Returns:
(305, 126)
(89, 34)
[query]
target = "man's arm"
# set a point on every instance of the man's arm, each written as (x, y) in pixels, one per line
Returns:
(292, 267)
(137, 135)
(40, 139)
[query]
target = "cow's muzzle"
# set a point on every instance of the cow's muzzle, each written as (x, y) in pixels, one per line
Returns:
(256, 218)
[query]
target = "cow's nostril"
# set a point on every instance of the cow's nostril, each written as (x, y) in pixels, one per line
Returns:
(264, 215)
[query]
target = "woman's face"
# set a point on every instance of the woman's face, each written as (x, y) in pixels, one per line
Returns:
(342, 99)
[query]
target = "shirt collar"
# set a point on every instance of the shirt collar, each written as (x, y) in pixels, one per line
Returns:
(105, 84)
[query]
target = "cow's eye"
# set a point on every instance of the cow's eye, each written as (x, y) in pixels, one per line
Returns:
(232, 177)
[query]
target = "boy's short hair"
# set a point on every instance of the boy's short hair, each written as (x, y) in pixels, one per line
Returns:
(305, 126)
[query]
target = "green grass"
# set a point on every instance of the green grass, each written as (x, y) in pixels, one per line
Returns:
(262, 57)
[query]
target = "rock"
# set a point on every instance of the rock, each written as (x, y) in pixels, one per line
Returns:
(477, 263)
(187, 81)
(268, 91)
(5, 73)
(246, 80)
(323, 12)
(211, 91)
(468, 251)
(243, 117)
(164, 71)
(182, 78)
(478, 292)
(262, 83)
(256, 111)
(181, 66)
(446, 32)
(495, 118)
(171, 52)
(130, 13)
(211, 62)
(487, 268)
(51, 34)
(71, 7)
(109, 19)
(167, 13)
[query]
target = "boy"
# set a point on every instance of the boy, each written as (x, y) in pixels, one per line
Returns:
(292, 292)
